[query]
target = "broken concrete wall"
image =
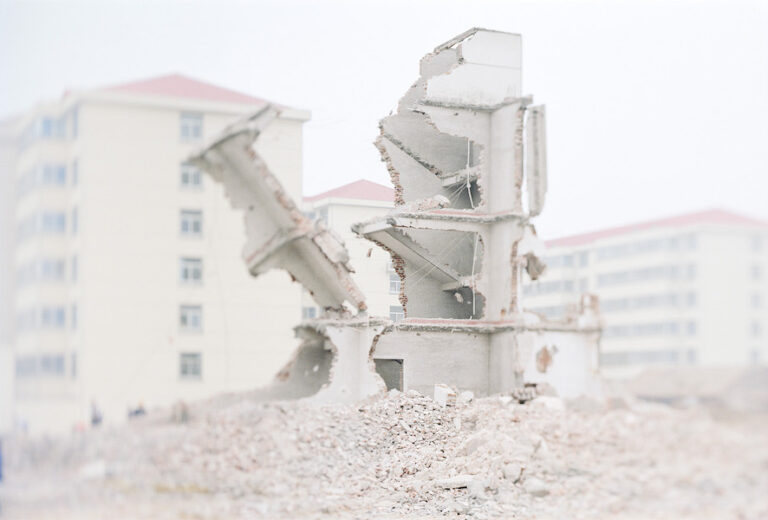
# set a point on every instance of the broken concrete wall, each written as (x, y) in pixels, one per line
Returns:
(352, 374)
(434, 356)
(567, 361)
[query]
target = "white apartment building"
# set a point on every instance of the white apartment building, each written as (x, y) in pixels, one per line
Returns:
(341, 207)
(7, 322)
(686, 290)
(127, 282)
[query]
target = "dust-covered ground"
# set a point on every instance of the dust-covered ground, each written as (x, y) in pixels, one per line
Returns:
(399, 456)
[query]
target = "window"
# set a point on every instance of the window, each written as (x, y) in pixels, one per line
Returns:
(757, 272)
(394, 283)
(74, 221)
(26, 320)
(73, 316)
(668, 272)
(756, 329)
(191, 177)
(396, 313)
(191, 223)
(190, 365)
(307, 313)
(73, 365)
(641, 357)
(26, 228)
(642, 329)
(757, 243)
(54, 175)
(75, 173)
(26, 274)
(553, 312)
(52, 364)
(691, 328)
(26, 366)
(74, 268)
(74, 115)
(46, 127)
(191, 270)
(542, 287)
(53, 222)
(756, 301)
(52, 317)
(191, 127)
(191, 318)
(51, 269)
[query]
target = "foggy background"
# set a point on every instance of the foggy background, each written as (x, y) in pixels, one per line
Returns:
(653, 108)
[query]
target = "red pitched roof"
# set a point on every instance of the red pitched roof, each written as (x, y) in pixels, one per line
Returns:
(176, 85)
(362, 189)
(715, 216)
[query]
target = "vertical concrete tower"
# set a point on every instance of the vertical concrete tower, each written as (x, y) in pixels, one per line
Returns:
(463, 148)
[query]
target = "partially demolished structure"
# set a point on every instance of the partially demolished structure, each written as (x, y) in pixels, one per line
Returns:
(462, 150)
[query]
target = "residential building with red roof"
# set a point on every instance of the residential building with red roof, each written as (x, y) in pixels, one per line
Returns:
(128, 283)
(690, 289)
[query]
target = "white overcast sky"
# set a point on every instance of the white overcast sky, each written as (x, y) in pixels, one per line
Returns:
(654, 108)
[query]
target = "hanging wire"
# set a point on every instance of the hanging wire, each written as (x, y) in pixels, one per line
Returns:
(449, 249)
(469, 185)
(474, 258)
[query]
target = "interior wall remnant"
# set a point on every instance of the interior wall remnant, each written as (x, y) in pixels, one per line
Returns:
(536, 163)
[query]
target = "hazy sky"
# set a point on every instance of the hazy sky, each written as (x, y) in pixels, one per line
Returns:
(654, 108)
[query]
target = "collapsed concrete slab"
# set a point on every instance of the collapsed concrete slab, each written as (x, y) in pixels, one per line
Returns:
(278, 234)
(462, 151)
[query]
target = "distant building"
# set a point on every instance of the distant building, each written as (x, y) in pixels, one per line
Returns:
(686, 290)
(125, 269)
(339, 209)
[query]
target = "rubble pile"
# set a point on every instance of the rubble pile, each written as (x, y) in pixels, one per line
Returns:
(402, 455)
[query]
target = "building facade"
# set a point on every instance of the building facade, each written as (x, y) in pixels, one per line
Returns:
(687, 290)
(128, 286)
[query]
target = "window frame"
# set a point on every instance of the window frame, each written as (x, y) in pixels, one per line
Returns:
(187, 265)
(187, 310)
(188, 360)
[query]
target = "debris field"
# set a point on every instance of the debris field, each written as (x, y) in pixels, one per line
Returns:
(400, 455)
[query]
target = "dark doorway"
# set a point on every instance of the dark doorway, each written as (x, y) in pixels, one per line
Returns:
(391, 371)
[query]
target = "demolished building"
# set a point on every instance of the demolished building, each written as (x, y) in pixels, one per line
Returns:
(466, 154)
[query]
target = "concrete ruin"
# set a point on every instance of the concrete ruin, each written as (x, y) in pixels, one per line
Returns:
(467, 156)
